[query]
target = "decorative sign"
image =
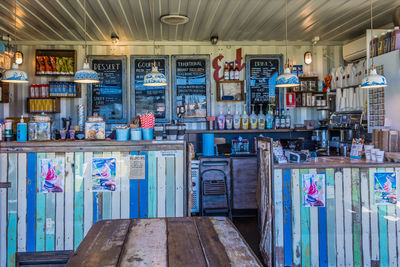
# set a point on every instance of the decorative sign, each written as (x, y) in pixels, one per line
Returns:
(52, 175)
(108, 98)
(313, 188)
(137, 167)
(385, 188)
(217, 67)
(191, 86)
(356, 148)
(261, 74)
(103, 174)
(169, 153)
(148, 98)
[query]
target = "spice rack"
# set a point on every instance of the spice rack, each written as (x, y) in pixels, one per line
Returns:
(43, 105)
(308, 95)
(55, 89)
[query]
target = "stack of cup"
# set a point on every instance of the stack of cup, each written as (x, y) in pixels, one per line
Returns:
(374, 154)
(368, 150)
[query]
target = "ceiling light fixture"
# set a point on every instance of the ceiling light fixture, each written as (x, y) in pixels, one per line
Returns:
(154, 78)
(287, 79)
(307, 57)
(373, 80)
(174, 19)
(15, 75)
(114, 38)
(19, 57)
(86, 74)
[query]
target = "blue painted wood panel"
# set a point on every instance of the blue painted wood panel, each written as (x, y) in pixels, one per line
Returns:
(134, 195)
(31, 203)
(322, 246)
(12, 209)
(287, 217)
(40, 208)
(143, 191)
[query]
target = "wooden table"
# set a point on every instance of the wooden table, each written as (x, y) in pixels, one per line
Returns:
(185, 241)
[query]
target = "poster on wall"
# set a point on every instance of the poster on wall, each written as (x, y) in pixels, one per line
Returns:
(313, 189)
(137, 167)
(103, 174)
(52, 175)
(149, 98)
(191, 86)
(261, 74)
(385, 188)
(108, 98)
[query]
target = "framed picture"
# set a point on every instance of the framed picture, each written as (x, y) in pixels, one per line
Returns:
(230, 91)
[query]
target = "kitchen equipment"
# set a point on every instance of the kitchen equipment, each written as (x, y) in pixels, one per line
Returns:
(196, 195)
(95, 128)
(22, 131)
(296, 157)
(8, 130)
(40, 128)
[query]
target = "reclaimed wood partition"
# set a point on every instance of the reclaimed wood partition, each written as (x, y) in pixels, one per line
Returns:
(34, 221)
(351, 230)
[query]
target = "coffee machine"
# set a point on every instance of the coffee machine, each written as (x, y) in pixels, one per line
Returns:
(321, 134)
(343, 127)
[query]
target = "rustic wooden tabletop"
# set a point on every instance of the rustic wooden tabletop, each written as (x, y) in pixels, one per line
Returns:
(187, 241)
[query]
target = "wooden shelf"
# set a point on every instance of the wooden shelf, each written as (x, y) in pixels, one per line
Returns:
(246, 131)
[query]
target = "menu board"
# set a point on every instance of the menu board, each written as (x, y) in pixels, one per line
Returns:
(191, 86)
(149, 98)
(261, 74)
(108, 98)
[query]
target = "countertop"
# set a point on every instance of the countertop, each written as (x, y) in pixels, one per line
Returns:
(89, 146)
(336, 162)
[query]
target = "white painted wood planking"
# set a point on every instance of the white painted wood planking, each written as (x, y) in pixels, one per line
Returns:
(374, 218)
(3, 210)
(397, 170)
(296, 217)
(339, 218)
(87, 192)
(179, 186)
(69, 202)
(314, 231)
(278, 203)
(365, 218)
(22, 176)
(348, 217)
(60, 214)
(161, 187)
(125, 187)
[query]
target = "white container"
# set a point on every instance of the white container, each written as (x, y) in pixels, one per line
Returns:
(373, 154)
(368, 150)
(380, 156)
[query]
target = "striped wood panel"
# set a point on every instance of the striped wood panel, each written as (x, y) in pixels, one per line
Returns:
(352, 229)
(34, 221)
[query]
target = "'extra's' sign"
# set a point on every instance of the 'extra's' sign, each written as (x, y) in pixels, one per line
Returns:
(217, 67)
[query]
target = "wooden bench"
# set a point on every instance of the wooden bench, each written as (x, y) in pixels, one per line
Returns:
(46, 258)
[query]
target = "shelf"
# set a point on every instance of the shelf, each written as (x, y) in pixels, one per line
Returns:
(246, 131)
(309, 92)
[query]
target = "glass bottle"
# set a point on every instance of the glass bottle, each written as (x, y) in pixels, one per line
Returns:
(288, 119)
(283, 118)
(226, 71)
(245, 119)
(221, 120)
(261, 119)
(269, 119)
(253, 118)
(229, 119)
(236, 119)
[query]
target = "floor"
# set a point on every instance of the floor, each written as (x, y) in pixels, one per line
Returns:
(248, 228)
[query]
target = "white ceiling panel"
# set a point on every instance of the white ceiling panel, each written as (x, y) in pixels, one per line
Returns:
(231, 20)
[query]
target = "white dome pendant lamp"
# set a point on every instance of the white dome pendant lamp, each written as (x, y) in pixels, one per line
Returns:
(373, 80)
(287, 79)
(86, 74)
(154, 78)
(15, 75)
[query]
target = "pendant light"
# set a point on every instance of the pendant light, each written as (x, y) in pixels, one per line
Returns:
(15, 75)
(154, 78)
(287, 79)
(373, 80)
(86, 74)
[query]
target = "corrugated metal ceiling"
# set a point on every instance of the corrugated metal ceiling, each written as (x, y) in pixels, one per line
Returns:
(231, 20)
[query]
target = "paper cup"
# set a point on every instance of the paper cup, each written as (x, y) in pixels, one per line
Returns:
(373, 154)
(368, 149)
(380, 156)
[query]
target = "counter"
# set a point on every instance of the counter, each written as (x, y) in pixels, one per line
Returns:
(348, 229)
(35, 221)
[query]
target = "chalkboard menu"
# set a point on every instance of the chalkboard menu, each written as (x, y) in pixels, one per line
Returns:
(149, 98)
(108, 98)
(191, 86)
(261, 74)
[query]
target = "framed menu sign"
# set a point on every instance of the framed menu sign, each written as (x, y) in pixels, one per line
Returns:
(148, 98)
(261, 74)
(108, 98)
(191, 86)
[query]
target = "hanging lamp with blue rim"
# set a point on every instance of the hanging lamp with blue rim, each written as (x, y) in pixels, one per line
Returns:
(86, 74)
(373, 80)
(287, 79)
(15, 75)
(154, 78)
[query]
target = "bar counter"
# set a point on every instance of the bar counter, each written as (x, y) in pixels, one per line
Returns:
(352, 226)
(35, 221)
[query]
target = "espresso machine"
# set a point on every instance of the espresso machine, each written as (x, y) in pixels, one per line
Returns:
(343, 127)
(320, 135)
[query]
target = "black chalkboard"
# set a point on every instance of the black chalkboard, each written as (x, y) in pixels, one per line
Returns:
(261, 74)
(191, 86)
(145, 98)
(108, 98)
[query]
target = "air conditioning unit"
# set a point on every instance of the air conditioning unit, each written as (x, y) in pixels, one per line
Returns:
(355, 50)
